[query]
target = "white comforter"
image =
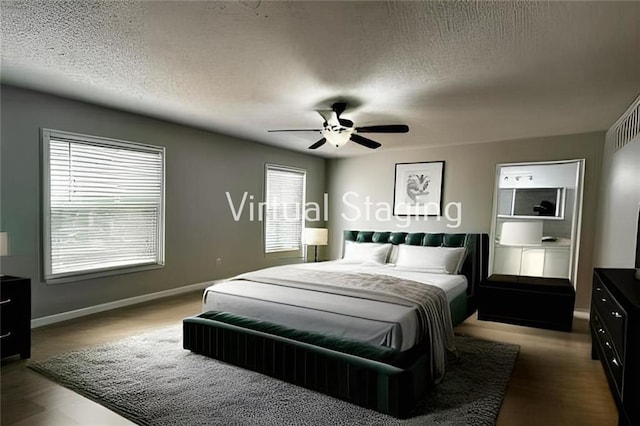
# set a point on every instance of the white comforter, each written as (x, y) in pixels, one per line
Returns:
(380, 320)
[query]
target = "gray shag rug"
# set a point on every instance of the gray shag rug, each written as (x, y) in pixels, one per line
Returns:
(151, 380)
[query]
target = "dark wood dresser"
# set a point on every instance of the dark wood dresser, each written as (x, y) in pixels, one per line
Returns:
(529, 301)
(15, 316)
(615, 337)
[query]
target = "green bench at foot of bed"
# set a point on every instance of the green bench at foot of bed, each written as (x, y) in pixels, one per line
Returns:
(368, 375)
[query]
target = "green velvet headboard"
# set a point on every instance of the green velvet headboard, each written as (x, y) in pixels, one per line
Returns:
(475, 265)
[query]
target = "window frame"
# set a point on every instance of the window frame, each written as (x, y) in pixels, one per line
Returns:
(283, 254)
(48, 277)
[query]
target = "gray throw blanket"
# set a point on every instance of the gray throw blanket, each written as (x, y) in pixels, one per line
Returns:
(430, 301)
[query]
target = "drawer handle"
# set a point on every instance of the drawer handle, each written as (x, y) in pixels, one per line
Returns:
(5, 335)
(607, 344)
(615, 362)
(2, 302)
(616, 314)
(598, 288)
(603, 299)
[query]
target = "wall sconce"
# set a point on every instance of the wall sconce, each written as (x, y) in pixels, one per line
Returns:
(518, 178)
(315, 237)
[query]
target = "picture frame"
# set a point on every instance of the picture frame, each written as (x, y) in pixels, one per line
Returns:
(418, 189)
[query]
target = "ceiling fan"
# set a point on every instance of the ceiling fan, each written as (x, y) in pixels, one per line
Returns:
(338, 131)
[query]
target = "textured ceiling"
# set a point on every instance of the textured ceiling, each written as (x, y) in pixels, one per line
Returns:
(455, 72)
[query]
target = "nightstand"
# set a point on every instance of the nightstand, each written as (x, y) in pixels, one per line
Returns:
(529, 301)
(15, 316)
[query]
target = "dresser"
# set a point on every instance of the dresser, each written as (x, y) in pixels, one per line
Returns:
(615, 335)
(15, 313)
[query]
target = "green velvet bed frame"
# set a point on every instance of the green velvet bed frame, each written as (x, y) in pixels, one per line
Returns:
(375, 377)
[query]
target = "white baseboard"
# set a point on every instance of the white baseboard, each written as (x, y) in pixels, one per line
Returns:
(64, 316)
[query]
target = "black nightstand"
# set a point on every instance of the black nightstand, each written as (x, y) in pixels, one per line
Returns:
(15, 313)
(530, 301)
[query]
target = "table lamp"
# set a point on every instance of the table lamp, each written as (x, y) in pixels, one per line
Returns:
(4, 246)
(521, 234)
(316, 237)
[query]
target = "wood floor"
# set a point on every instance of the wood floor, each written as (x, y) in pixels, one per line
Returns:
(554, 382)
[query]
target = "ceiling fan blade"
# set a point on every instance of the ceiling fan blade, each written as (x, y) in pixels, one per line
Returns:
(295, 130)
(318, 144)
(391, 128)
(365, 142)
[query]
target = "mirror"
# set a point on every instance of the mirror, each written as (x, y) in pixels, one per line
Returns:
(537, 210)
(539, 203)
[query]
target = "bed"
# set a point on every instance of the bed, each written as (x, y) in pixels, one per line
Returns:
(365, 328)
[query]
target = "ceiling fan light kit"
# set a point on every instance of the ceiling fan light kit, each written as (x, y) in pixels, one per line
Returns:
(337, 138)
(338, 131)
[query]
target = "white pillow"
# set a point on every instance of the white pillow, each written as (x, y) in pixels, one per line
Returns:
(393, 254)
(355, 252)
(463, 257)
(442, 260)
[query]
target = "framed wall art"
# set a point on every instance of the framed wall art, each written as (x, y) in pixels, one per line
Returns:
(418, 189)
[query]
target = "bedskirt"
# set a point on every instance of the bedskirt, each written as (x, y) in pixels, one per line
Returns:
(362, 374)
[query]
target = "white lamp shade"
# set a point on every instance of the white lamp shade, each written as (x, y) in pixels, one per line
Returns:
(521, 234)
(315, 236)
(4, 244)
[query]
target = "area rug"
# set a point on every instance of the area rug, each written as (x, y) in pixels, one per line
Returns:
(151, 380)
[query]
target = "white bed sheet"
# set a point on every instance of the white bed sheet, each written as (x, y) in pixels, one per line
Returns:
(366, 320)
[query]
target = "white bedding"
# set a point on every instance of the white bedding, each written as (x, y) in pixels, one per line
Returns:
(453, 285)
(366, 320)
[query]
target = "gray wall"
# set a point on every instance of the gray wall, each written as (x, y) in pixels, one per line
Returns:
(620, 201)
(468, 179)
(200, 167)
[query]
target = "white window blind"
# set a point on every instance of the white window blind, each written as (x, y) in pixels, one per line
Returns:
(284, 215)
(103, 204)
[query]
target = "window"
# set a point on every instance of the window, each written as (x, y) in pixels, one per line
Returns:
(284, 212)
(103, 205)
